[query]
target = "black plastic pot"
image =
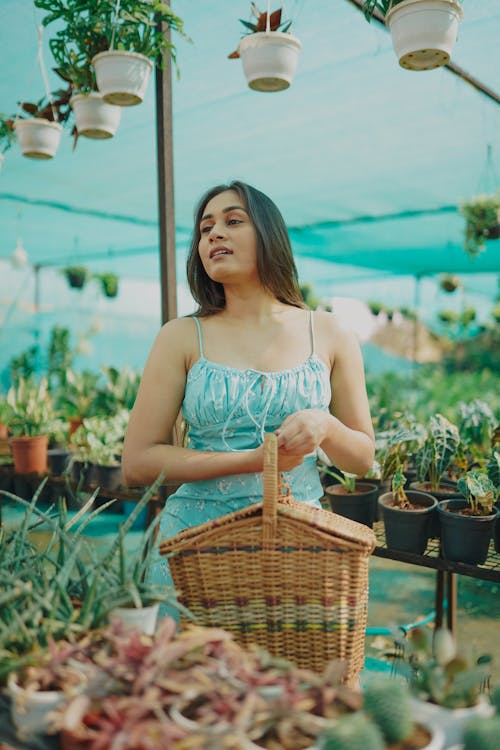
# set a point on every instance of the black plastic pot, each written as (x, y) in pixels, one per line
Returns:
(57, 460)
(107, 477)
(465, 538)
(446, 491)
(360, 505)
(408, 530)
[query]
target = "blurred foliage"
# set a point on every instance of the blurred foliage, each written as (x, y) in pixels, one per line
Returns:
(429, 390)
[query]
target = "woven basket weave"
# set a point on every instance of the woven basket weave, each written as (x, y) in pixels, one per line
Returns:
(282, 574)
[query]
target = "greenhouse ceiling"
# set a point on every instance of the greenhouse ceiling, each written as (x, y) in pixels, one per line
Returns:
(367, 161)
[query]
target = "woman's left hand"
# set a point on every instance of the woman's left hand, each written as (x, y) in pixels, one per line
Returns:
(303, 432)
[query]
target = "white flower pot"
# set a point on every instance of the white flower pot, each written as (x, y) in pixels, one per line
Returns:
(2, 157)
(143, 619)
(30, 710)
(95, 118)
(269, 59)
(424, 32)
(38, 138)
(450, 720)
(122, 77)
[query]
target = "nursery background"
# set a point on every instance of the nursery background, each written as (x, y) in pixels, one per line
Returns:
(368, 162)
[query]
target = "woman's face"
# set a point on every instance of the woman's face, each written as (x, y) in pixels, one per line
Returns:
(228, 240)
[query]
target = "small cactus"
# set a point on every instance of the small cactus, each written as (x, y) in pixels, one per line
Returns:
(495, 698)
(482, 733)
(387, 702)
(352, 732)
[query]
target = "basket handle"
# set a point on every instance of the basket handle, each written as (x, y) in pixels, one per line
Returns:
(271, 485)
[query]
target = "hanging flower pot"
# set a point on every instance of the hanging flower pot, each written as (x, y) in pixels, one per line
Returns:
(76, 276)
(424, 32)
(38, 138)
(95, 118)
(269, 59)
(122, 77)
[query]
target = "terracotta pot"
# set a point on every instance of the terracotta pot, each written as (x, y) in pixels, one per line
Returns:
(30, 454)
(74, 423)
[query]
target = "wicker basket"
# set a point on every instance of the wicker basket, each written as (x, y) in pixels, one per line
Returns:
(282, 574)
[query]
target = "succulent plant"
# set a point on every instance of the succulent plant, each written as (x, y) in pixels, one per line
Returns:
(387, 702)
(352, 732)
(482, 733)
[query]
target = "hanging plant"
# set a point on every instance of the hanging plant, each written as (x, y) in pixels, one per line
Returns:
(423, 31)
(39, 127)
(482, 216)
(268, 51)
(449, 283)
(7, 135)
(109, 283)
(76, 276)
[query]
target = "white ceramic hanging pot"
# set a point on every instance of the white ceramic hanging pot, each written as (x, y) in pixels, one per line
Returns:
(424, 32)
(30, 710)
(269, 59)
(95, 118)
(142, 618)
(38, 138)
(1, 161)
(122, 77)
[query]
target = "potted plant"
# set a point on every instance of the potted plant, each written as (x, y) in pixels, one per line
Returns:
(7, 135)
(482, 217)
(109, 284)
(46, 681)
(73, 47)
(136, 40)
(407, 516)
(467, 524)
(434, 456)
(76, 276)
(352, 498)
(39, 130)
(268, 51)
(385, 720)
(449, 283)
(447, 684)
(30, 414)
(423, 31)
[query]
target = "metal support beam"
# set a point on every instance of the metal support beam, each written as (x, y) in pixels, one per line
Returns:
(166, 213)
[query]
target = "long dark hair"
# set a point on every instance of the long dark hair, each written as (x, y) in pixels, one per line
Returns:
(275, 263)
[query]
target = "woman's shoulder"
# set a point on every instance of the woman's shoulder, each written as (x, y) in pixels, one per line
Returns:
(329, 323)
(177, 336)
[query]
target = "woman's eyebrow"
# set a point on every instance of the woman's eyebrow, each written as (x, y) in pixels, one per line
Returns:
(224, 211)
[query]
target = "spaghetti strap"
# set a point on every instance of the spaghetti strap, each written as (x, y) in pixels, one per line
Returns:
(200, 340)
(313, 340)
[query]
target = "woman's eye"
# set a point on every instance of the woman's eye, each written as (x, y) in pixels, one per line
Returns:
(206, 229)
(234, 221)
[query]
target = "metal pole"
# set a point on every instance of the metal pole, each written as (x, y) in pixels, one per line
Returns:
(165, 159)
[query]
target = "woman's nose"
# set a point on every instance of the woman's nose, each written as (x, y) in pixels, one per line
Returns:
(216, 232)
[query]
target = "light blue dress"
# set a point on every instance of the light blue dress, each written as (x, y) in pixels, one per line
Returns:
(228, 409)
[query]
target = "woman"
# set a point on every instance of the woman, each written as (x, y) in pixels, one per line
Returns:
(252, 360)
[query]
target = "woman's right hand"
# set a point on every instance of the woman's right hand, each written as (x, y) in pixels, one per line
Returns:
(286, 461)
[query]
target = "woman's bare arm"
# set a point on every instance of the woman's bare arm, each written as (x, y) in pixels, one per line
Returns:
(346, 433)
